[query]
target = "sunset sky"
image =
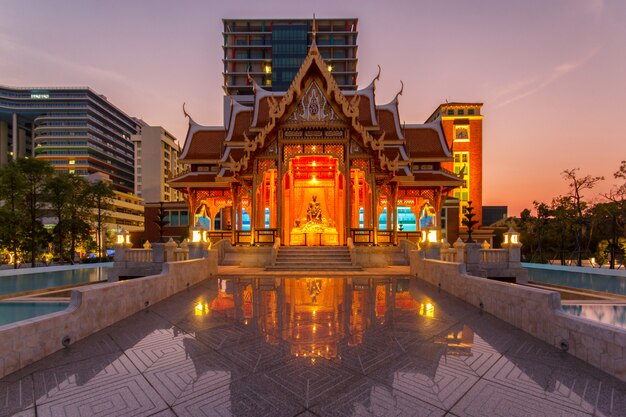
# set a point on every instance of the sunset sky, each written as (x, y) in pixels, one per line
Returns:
(552, 73)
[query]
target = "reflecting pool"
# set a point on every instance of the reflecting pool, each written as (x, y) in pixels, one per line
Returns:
(612, 314)
(603, 280)
(18, 281)
(10, 312)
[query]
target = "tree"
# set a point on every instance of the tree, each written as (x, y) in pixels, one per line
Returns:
(577, 186)
(100, 195)
(562, 213)
(58, 193)
(35, 173)
(610, 217)
(79, 210)
(12, 188)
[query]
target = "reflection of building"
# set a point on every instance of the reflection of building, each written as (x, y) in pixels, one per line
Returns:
(261, 170)
(462, 125)
(315, 316)
(74, 128)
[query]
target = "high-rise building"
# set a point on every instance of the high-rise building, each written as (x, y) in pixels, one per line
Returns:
(156, 159)
(271, 51)
(74, 128)
(462, 125)
(493, 214)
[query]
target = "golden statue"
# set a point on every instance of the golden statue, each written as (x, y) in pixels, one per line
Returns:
(314, 212)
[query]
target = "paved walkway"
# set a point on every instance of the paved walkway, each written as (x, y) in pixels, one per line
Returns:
(311, 347)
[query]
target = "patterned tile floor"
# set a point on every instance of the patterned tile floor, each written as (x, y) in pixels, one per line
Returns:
(311, 347)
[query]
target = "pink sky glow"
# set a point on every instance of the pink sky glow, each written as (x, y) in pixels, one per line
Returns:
(552, 73)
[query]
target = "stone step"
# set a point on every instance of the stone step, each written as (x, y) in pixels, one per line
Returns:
(309, 262)
(314, 250)
(313, 258)
(308, 267)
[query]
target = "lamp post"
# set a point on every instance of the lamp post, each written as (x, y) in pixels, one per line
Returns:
(511, 237)
(123, 238)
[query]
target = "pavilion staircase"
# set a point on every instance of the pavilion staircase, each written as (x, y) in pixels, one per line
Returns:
(313, 258)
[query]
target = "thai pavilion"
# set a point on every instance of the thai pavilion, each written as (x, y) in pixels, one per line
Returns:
(314, 166)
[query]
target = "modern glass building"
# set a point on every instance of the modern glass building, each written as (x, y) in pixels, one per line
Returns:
(74, 128)
(272, 50)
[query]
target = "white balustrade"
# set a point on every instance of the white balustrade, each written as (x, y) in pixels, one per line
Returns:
(494, 256)
(139, 255)
(448, 255)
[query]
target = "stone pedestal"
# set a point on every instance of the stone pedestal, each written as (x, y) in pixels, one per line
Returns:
(472, 258)
(432, 250)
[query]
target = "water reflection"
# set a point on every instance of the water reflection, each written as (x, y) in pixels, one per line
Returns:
(614, 315)
(316, 315)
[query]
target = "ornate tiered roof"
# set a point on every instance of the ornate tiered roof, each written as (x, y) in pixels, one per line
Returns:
(409, 153)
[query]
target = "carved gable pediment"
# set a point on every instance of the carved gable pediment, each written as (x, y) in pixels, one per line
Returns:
(313, 106)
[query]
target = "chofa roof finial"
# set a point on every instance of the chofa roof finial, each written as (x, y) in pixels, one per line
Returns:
(401, 90)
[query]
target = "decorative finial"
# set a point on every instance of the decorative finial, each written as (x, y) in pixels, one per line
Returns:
(401, 90)
(185, 111)
(313, 50)
(377, 78)
(251, 80)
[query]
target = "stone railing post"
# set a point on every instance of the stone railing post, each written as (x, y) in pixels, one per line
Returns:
(515, 254)
(157, 253)
(120, 253)
(183, 251)
(432, 250)
(472, 259)
(459, 245)
(170, 247)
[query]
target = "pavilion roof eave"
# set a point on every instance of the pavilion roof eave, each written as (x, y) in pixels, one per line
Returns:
(430, 184)
(182, 185)
(199, 161)
(432, 159)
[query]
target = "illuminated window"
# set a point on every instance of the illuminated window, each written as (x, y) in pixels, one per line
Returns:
(461, 162)
(72, 162)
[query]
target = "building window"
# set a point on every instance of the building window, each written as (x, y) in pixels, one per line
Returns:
(450, 112)
(470, 111)
(461, 112)
(462, 163)
(461, 133)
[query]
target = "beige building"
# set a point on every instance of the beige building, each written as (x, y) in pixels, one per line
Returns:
(125, 210)
(156, 159)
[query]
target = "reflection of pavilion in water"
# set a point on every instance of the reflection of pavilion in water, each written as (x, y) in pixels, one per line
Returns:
(315, 315)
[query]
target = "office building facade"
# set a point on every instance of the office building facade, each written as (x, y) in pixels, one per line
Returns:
(74, 128)
(271, 52)
(156, 160)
